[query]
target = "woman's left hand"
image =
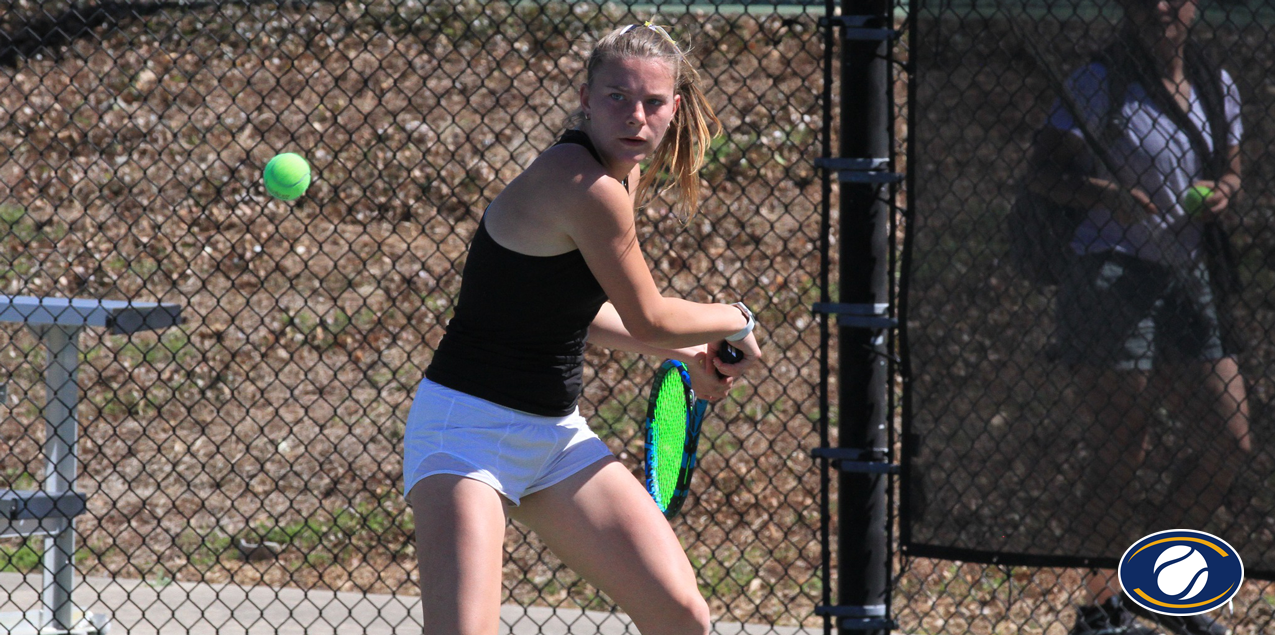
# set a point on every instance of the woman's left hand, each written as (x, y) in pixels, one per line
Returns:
(705, 380)
(1217, 202)
(750, 350)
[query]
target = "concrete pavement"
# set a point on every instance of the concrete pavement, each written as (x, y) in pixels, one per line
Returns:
(138, 608)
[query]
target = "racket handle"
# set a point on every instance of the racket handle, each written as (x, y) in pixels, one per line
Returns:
(729, 354)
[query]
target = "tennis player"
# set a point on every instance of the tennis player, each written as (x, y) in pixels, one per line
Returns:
(494, 431)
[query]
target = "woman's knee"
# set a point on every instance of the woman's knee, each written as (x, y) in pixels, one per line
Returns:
(1113, 397)
(1245, 444)
(1242, 444)
(670, 615)
(695, 616)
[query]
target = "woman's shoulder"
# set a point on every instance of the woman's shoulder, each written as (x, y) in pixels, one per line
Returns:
(568, 174)
(568, 160)
(539, 212)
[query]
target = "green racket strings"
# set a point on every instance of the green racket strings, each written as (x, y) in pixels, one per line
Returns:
(669, 427)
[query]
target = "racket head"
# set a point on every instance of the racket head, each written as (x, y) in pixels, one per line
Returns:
(671, 429)
(690, 456)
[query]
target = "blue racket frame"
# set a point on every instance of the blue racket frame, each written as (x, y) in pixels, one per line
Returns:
(694, 420)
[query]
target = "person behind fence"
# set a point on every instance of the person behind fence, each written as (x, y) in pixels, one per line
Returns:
(494, 431)
(1142, 308)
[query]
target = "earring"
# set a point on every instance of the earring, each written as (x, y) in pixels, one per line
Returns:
(586, 116)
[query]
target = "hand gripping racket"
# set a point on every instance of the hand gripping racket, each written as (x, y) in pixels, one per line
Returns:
(673, 420)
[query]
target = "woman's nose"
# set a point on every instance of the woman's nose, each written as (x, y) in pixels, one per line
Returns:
(637, 115)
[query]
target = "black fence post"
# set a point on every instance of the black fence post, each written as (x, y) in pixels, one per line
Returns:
(864, 262)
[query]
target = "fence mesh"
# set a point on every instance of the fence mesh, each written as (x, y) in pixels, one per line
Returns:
(1029, 449)
(257, 444)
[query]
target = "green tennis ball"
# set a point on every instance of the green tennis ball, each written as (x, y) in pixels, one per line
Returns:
(1193, 199)
(287, 176)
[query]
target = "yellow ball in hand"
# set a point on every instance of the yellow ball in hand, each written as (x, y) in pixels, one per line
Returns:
(1193, 200)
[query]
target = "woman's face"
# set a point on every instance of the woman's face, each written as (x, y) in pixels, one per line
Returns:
(1163, 19)
(630, 104)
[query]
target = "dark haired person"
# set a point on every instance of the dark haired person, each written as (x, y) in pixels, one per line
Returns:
(1140, 317)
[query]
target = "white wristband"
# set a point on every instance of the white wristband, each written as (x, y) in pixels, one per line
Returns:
(748, 328)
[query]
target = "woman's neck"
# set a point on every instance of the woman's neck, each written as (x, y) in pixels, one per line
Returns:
(618, 170)
(1171, 58)
(1167, 52)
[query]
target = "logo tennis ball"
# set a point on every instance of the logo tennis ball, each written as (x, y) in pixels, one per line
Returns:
(287, 176)
(1181, 572)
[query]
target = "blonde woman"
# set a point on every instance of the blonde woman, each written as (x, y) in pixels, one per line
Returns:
(494, 431)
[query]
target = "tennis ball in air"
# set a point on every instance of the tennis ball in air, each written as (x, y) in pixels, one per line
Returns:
(1193, 199)
(287, 176)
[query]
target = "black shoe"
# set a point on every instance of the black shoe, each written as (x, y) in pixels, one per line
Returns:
(1181, 625)
(1108, 618)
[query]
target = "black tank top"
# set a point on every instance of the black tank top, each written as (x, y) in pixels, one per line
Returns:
(518, 335)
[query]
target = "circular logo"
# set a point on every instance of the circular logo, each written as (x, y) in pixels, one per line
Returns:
(1181, 572)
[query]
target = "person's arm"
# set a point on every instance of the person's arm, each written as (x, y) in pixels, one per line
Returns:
(607, 330)
(600, 221)
(1055, 153)
(1226, 188)
(1061, 154)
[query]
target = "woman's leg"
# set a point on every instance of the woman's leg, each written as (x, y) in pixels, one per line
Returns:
(1114, 406)
(603, 524)
(1214, 406)
(460, 534)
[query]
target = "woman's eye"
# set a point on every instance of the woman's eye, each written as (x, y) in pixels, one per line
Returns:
(655, 102)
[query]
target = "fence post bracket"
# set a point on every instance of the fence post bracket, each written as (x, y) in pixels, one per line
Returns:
(862, 28)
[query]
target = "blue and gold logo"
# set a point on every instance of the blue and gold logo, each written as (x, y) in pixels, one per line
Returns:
(1181, 572)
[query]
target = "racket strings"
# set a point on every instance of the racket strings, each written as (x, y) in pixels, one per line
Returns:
(669, 433)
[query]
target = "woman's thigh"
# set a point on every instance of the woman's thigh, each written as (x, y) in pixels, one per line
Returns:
(603, 524)
(460, 533)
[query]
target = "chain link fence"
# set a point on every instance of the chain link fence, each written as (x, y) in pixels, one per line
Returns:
(241, 470)
(1025, 446)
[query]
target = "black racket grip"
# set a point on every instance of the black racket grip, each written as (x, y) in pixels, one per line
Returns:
(728, 354)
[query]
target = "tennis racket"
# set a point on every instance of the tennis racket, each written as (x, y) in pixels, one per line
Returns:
(673, 419)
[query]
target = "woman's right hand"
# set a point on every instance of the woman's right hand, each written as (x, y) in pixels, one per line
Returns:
(1131, 206)
(752, 356)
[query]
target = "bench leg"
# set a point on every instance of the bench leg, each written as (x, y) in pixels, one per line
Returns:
(62, 394)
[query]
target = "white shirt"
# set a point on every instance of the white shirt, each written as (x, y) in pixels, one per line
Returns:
(1152, 153)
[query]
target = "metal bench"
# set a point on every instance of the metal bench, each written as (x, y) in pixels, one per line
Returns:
(50, 511)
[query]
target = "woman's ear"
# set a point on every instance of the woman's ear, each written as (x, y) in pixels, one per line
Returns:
(584, 100)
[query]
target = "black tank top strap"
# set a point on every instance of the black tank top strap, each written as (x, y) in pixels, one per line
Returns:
(578, 137)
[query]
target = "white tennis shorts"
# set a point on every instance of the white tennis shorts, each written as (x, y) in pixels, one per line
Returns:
(516, 453)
